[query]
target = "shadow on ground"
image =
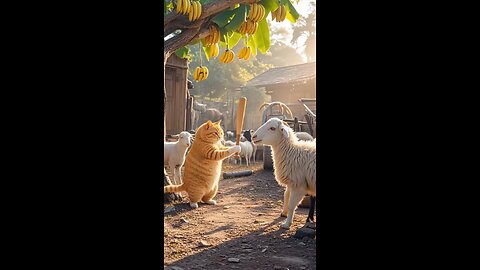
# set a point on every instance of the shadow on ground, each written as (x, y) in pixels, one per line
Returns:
(262, 249)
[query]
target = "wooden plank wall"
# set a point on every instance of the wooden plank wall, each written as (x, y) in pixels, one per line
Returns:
(176, 84)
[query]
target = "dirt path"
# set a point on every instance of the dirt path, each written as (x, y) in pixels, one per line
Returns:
(243, 227)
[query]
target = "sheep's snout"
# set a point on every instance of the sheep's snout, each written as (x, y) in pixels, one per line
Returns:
(255, 140)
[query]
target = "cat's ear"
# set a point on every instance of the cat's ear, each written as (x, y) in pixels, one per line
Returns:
(218, 122)
(209, 124)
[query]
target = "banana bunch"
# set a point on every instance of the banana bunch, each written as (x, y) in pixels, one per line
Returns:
(245, 53)
(192, 9)
(183, 7)
(195, 11)
(248, 27)
(227, 56)
(214, 36)
(200, 74)
(256, 13)
(214, 50)
(279, 14)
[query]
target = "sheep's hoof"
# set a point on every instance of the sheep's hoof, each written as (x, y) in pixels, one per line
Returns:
(194, 205)
(211, 202)
(285, 225)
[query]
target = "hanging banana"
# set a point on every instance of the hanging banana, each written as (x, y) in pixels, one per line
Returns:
(244, 53)
(256, 13)
(227, 56)
(279, 14)
(201, 73)
(184, 7)
(214, 50)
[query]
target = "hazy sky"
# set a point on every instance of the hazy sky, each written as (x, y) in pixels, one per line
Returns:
(303, 8)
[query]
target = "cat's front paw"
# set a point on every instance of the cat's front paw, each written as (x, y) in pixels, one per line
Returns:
(194, 205)
(211, 202)
(286, 225)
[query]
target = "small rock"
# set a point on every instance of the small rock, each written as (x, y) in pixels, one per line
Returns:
(168, 209)
(184, 220)
(259, 214)
(226, 207)
(302, 244)
(263, 250)
(234, 260)
(203, 243)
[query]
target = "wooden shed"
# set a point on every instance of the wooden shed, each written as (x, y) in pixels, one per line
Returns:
(178, 104)
(289, 84)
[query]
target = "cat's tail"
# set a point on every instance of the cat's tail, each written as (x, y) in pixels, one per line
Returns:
(173, 188)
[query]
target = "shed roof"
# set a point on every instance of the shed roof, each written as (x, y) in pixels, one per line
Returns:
(282, 75)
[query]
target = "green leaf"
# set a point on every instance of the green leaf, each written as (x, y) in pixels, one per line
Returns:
(182, 52)
(234, 39)
(269, 5)
(262, 36)
(223, 18)
(253, 46)
(164, 6)
(292, 14)
(207, 52)
(234, 24)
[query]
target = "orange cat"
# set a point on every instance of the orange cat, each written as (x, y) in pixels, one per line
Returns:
(203, 165)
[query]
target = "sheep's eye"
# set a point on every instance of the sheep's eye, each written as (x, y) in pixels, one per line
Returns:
(272, 128)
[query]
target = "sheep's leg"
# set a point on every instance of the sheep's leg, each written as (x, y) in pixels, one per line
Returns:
(286, 198)
(207, 198)
(179, 173)
(312, 210)
(296, 196)
(173, 169)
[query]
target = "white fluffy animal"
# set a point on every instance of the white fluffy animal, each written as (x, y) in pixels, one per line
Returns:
(174, 155)
(246, 152)
(229, 135)
(294, 163)
(304, 136)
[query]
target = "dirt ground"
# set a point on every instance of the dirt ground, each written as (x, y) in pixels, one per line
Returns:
(241, 232)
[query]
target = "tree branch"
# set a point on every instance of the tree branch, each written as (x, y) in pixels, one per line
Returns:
(212, 8)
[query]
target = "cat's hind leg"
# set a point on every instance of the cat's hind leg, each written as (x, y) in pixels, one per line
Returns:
(207, 198)
(194, 198)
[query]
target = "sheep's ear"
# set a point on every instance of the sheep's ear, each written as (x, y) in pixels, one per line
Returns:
(284, 131)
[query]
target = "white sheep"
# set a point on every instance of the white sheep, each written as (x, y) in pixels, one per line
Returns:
(294, 163)
(246, 152)
(174, 155)
(304, 136)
